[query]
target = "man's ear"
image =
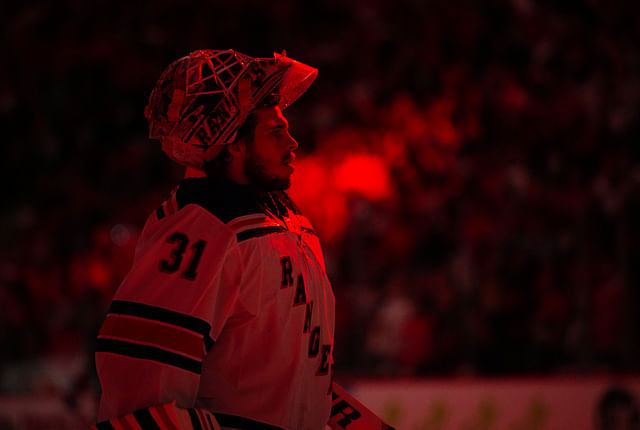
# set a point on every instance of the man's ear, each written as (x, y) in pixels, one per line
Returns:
(237, 149)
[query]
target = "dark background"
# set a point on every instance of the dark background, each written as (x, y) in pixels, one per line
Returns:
(472, 169)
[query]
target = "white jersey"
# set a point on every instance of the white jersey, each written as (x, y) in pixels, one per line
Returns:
(227, 307)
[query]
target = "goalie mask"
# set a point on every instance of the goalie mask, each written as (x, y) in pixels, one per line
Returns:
(201, 100)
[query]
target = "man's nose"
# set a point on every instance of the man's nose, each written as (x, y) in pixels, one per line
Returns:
(293, 144)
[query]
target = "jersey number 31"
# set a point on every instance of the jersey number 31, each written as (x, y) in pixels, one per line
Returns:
(174, 262)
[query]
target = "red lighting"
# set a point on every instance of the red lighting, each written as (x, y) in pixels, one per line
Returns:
(364, 174)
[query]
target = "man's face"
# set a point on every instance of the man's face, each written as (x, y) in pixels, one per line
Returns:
(270, 156)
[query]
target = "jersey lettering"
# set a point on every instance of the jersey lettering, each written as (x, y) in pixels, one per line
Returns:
(173, 265)
(324, 360)
(307, 317)
(301, 295)
(348, 412)
(314, 342)
(315, 347)
(287, 269)
(198, 249)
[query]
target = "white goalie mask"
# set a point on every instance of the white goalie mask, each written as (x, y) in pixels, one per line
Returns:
(201, 100)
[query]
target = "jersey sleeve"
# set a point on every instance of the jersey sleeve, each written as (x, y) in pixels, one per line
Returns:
(168, 312)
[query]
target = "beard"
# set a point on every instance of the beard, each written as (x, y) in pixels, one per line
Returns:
(259, 177)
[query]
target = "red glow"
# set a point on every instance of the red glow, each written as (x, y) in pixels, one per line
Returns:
(364, 174)
(316, 194)
(322, 188)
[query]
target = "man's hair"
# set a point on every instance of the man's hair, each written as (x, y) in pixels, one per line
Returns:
(218, 166)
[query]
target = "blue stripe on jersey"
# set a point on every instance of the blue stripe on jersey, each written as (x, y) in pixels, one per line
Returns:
(195, 421)
(257, 232)
(147, 352)
(155, 313)
(146, 420)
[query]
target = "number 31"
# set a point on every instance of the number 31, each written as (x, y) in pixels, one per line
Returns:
(173, 264)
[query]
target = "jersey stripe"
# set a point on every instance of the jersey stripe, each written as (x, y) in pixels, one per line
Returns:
(195, 421)
(201, 418)
(152, 332)
(148, 352)
(146, 421)
(160, 414)
(124, 423)
(249, 222)
(244, 226)
(233, 421)
(153, 418)
(163, 315)
(258, 232)
(209, 421)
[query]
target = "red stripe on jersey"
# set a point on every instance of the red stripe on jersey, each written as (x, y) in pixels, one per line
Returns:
(160, 415)
(124, 423)
(203, 421)
(242, 222)
(241, 226)
(153, 333)
(249, 222)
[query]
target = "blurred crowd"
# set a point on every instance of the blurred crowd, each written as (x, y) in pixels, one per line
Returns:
(471, 167)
